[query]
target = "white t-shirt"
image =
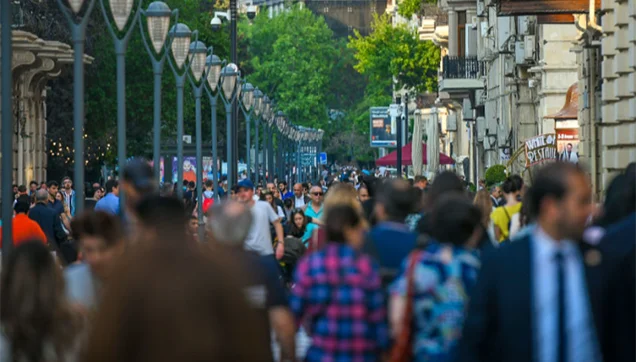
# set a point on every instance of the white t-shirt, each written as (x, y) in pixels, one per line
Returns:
(259, 238)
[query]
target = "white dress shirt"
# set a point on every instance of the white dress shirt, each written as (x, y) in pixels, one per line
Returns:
(582, 343)
(299, 201)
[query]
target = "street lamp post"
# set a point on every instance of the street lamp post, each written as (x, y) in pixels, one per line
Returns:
(258, 105)
(214, 64)
(158, 21)
(78, 33)
(180, 45)
(198, 56)
(229, 79)
(121, 13)
(280, 120)
(270, 151)
(7, 123)
(267, 105)
(247, 108)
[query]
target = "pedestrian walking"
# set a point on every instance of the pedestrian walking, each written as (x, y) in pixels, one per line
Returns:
(535, 299)
(259, 237)
(338, 295)
(229, 226)
(37, 322)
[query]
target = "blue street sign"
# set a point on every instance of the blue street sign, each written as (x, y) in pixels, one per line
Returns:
(323, 158)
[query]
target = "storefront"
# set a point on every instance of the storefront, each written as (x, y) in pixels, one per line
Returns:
(566, 126)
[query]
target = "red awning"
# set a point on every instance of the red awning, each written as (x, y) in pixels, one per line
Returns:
(391, 158)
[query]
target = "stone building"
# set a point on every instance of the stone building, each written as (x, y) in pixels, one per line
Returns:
(508, 77)
(35, 61)
(606, 55)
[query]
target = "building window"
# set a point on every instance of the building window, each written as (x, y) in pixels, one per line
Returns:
(325, 10)
(349, 9)
(461, 33)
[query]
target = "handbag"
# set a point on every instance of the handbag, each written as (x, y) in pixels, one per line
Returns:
(402, 350)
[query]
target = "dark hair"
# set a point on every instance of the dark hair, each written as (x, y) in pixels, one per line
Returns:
(549, 182)
(305, 185)
(185, 183)
(22, 188)
(43, 183)
(191, 184)
(140, 175)
(620, 197)
(22, 206)
(512, 184)
(34, 311)
(419, 178)
(166, 214)
(52, 183)
(288, 202)
(398, 198)
(444, 183)
(110, 184)
(209, 183)
(454, 219)
(282, 183)
(293, 229)
(157, 277)
(97, 224)
(338, 218)
(33, 183)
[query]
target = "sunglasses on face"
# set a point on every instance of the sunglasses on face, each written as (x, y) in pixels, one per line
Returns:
(317, 193)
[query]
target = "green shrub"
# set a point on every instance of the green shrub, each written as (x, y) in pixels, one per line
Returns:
(495, 174)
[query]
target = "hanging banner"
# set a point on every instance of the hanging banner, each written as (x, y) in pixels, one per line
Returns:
(383, 132)
(540, 149)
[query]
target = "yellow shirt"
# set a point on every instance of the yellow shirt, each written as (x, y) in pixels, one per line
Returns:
(502, 220)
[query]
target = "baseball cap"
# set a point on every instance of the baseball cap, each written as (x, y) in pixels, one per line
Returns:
(246, 183)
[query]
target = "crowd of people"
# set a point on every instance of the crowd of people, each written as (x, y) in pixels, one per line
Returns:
(366, 268)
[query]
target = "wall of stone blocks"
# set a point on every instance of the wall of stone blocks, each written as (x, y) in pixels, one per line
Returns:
(618, 124)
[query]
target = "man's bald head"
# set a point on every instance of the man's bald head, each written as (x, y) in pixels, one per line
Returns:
(41, 196)
(298, 190)
(230, 223)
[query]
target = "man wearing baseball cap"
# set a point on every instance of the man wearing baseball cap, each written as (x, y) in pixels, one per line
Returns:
(259, 238)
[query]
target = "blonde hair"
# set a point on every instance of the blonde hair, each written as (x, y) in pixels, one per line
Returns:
(341, 194)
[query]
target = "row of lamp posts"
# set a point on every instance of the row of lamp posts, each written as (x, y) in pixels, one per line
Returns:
(188, 59)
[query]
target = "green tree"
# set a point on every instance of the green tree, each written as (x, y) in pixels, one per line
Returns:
(291, 58)
(396, 52)
(408, 8)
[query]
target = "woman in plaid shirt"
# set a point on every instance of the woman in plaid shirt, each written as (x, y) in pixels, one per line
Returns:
(338, 295)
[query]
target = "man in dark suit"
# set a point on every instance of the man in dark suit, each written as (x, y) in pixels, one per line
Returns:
(541, 298)
(48, 219)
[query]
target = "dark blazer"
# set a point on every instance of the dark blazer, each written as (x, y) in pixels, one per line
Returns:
(500, 320)
(50, 222)
(617, 324)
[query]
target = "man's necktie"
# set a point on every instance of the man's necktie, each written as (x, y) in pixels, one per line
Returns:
(562, 342)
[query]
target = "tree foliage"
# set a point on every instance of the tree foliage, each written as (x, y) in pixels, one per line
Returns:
(408, 8)
(396, 52)
(291, 58)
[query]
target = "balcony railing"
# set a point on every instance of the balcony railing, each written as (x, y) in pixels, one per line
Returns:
(461, 67)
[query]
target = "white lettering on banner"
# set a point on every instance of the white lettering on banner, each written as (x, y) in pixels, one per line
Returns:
(540, 149)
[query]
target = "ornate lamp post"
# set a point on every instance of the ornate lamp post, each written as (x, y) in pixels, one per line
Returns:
(214, 64)
(280, 121)
(198, 56)
(229, 79)
(120, 11)
(78, 33)
(258, 106)
(180, 46)
(158, 23)
(7, 117)
(267, 104)
(247, 108)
